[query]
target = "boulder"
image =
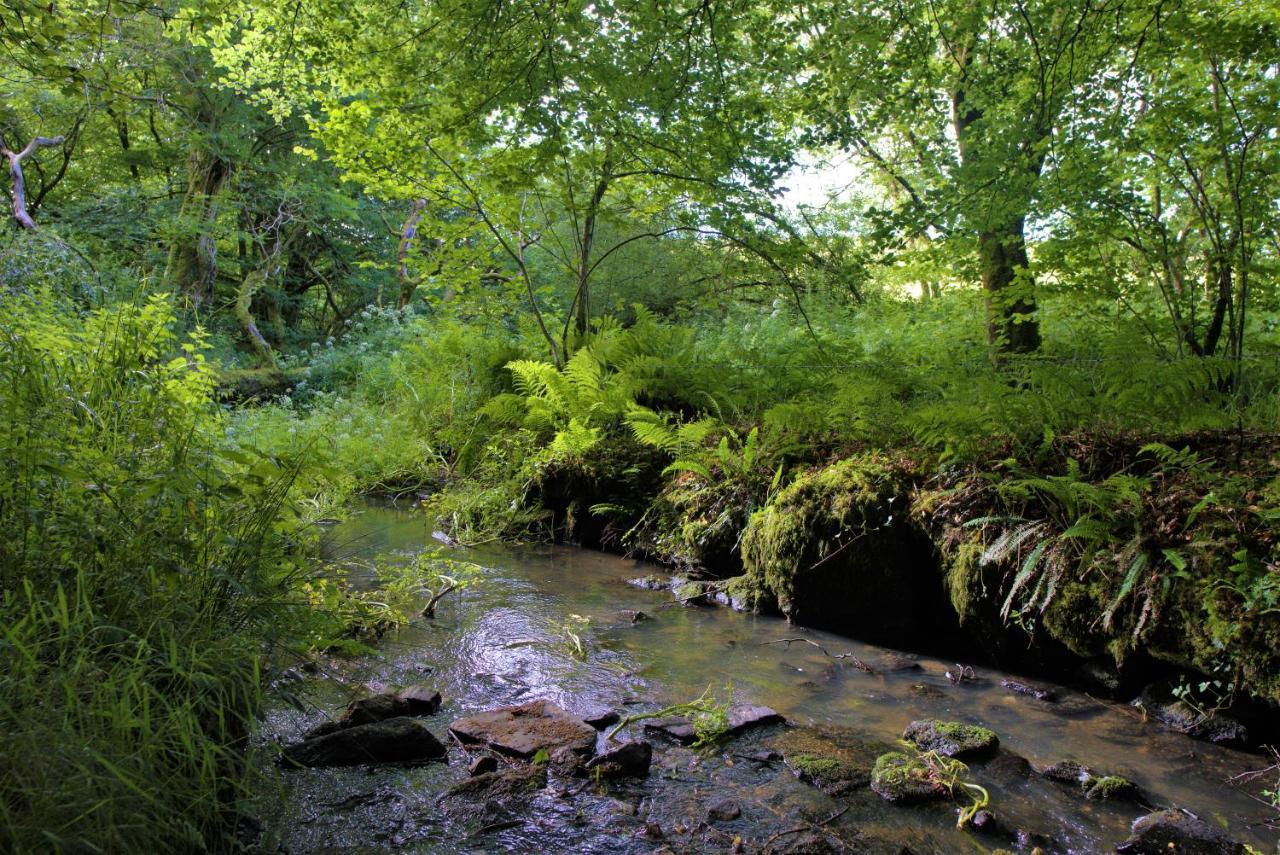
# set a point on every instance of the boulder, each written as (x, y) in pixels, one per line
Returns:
(631, 759)
(395, 740)
(522, 731)
(902, 779)
(952, 738)
(1168, 831)
(421, 700)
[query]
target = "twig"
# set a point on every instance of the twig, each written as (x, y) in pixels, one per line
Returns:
(805, 827)
(853, 660)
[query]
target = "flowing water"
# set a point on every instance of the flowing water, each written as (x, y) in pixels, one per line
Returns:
(502, 642)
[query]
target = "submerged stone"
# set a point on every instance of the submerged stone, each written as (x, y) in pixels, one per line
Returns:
(491, 793)
(902, 779)
(1175, 831)
(1040, 693)
(524, 730)
(395, 740)
(835, 760)
(1175, 713)
(723, 810)
(952, 738)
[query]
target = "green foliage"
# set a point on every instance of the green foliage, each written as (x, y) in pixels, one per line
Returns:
(138, 562)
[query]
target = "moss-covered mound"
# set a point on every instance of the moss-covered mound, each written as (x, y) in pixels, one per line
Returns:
(837, 548)
(1134, 554)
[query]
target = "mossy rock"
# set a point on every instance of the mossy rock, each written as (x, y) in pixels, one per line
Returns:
(837, 548)
(742, 593)
(695, 524)
(902, 779)
(1112, 788)
(691, 593)
(835, 760)
(952, 738)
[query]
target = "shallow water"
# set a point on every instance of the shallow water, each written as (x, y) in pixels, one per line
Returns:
(500, 643)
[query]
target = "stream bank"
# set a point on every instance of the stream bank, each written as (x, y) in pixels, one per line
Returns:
(1122, 565)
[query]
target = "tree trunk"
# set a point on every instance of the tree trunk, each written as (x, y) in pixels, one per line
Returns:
(193, 258)
(408, 284)
(18, 184)
(1010, 291)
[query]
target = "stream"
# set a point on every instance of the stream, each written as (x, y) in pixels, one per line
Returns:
(502, 642)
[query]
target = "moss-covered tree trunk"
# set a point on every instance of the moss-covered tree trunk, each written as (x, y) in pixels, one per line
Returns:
(193, 256)
(1010, 289)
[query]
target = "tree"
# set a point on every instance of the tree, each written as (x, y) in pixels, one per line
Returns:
(957, 105)
(639, 112)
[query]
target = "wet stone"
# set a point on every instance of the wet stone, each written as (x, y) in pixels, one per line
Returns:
(652, 583)
(901, 779)
(1097, 786)
(1170, 831)
(835, 760)
(1031, 690)
(493, 792)
(421, 700)
(1067, 772)
(482, 766)
(924, 690)
(412, 701)
(1112, 788)
(524, 730)
(396, 740)
(742, 717)
(952, 738)
(723, 810)
(1175, 713)
(631, 759)
(598, 716)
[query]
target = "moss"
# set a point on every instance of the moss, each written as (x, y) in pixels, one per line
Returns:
(744, 593)
(837, 548)
(691, 593)
(903, 779)
(1111, 788)
(963, 571)
(952, 738)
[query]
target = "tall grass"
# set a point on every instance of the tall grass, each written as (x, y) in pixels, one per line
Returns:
(137, 564)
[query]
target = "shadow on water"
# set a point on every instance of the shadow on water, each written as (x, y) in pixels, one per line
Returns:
(499, 643)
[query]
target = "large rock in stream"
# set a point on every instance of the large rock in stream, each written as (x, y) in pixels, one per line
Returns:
(522, 731)
(395, 740)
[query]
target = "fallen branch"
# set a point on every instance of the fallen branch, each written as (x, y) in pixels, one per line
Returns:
(853, 660)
